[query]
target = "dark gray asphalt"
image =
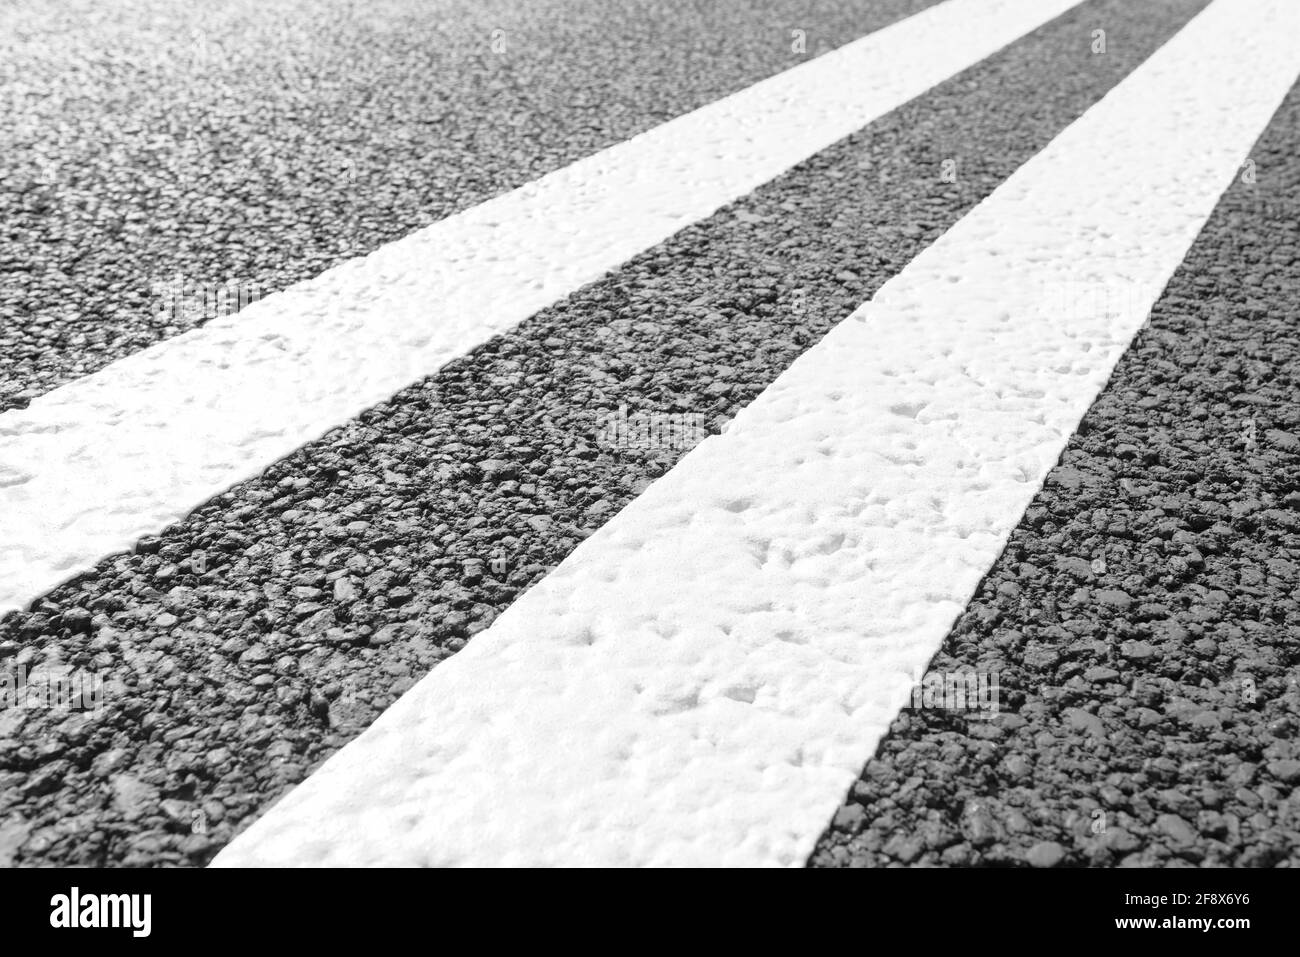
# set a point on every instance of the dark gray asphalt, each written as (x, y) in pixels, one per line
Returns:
(260, 143)
(355, 565)
(1144, 619)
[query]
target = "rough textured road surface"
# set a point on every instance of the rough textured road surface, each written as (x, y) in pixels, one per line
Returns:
(1142, 620)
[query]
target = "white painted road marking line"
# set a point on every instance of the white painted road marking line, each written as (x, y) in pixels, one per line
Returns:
(701, 680)
(90, 467)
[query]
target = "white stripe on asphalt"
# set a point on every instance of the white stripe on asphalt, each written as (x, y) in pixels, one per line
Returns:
(92, 466)
(702, 679)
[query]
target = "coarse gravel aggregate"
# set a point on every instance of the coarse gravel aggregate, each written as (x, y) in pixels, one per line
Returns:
(1143, 622)
(251, 641)
(161, 160)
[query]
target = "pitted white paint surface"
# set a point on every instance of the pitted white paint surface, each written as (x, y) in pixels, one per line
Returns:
(92, 466)
(701, 680)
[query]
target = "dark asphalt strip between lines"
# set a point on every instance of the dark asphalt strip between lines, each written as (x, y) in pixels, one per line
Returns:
(1143, 623)
(248, 146)
(335, 580)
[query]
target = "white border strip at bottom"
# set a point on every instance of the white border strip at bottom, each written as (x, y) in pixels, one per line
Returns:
(703, 678)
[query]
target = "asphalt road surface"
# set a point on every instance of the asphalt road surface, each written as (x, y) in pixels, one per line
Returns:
(1040, 611)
